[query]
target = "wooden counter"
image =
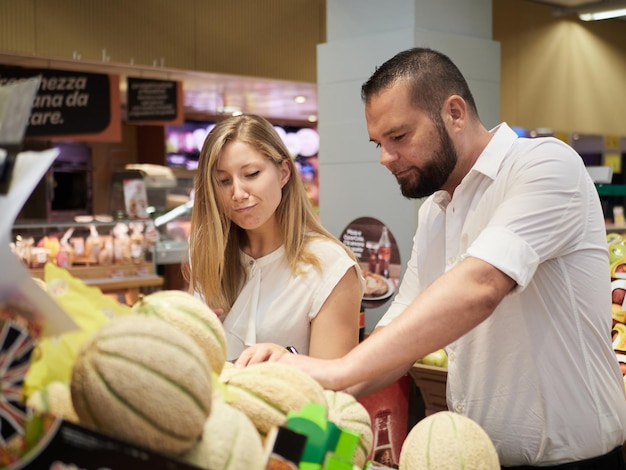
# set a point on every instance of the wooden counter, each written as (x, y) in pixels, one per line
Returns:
(125, 281)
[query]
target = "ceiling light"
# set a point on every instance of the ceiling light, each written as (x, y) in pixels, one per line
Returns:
(595, 10)
(602, 15)
(312, 118)
(300, 99)
(228, 109)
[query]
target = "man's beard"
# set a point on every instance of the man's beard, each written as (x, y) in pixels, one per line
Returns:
(422, 182)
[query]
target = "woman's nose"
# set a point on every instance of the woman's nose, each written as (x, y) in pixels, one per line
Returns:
(239, 191)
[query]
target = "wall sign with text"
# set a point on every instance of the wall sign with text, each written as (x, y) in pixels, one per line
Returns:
(151, 100)
(67, 102)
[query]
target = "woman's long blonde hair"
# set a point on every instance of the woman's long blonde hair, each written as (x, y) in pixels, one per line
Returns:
(214, 243)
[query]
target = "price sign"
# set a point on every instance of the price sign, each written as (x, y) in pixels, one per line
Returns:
(611, 142)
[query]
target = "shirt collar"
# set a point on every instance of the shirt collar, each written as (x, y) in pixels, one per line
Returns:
(490, 159)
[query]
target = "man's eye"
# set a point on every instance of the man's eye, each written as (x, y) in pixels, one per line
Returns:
(396, 138)
(377, 145)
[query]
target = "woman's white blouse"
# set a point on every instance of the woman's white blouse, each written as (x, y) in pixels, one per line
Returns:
(275, 305)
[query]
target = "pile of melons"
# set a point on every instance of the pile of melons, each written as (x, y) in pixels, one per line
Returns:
(159, 378)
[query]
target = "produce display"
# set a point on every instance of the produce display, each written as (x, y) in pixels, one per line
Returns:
(617, 257)
(448, 441)
(156, 376)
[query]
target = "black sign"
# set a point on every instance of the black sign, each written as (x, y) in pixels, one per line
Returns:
(66, 102)
(151, 100)
(70, 446)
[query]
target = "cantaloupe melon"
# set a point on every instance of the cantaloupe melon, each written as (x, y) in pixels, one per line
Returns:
(448, 441)
(54, 398)
(267, 391)
(141, 379)
(347, 413)
(229, 442)
(192, 316)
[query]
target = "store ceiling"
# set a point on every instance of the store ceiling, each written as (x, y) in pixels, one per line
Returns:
(212, 94)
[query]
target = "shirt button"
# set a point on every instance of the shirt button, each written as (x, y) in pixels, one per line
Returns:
(451, 260)
(251, 262)
(460, 408)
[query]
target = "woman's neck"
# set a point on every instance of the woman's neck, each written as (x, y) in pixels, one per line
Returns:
(262, 242)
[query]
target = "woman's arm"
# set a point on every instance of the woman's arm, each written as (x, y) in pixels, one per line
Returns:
(335, 329)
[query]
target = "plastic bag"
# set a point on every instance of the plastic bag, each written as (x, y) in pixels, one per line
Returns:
(54, 356)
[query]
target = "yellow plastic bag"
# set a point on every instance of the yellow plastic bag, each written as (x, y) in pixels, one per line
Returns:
(54, 357)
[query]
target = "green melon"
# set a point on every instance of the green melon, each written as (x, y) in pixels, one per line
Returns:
(192, 316)
(347, 413)
(141, 379)
(229, 442)
(267, 391)
(448, 441)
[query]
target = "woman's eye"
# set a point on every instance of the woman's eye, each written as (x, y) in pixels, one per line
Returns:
(224, 182)
(253, 174)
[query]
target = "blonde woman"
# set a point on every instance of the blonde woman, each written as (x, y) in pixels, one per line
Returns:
(259, 256)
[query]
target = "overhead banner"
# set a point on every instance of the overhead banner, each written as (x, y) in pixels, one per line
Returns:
(71, 104)
(153, 101)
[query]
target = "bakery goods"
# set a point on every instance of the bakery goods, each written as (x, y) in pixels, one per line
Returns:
(375, 284)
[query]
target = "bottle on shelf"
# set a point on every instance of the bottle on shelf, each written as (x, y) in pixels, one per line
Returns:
(384, 253)
(383, 445)
(362, 323)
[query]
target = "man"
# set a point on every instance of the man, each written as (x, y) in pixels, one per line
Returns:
(509, 272)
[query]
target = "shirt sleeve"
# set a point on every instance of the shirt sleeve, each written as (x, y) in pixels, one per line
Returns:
(335, 262)
(539, 215)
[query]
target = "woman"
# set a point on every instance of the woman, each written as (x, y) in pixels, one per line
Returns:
(259, 255)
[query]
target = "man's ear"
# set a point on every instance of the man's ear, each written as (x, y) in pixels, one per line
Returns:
(455, 110)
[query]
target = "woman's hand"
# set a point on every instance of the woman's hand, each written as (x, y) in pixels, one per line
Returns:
(261, 352)
(220, 313)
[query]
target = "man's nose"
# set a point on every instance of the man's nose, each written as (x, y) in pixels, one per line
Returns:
(386, 157)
